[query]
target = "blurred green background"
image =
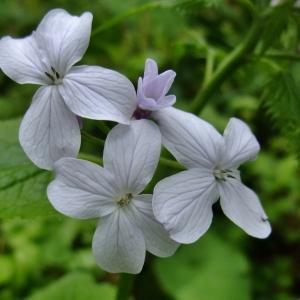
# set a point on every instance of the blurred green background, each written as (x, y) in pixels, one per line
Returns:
(47, 256)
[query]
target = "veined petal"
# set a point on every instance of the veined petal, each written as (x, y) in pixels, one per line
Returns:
(49, 130)
(151, 69)
(131, 153)
(21, 60)
(240, 144)
(160, 85)
(98, 93)
(148, 104)
(82, 189)
(242, 206)
(156, 237)
(64, 38)
(118, 244)
(166, 101)
(183, 204)
(193, 142)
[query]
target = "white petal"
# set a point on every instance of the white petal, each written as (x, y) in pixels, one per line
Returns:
(194, 142)
(159, 86)
(183, 204)
(118, 244)
(99, 93)
(240, 144)
(49, 130)
(82, 189)
(64, 38)
(131, 153)
(21, 60)
(242, 206)
(151, 69)
(156, 237)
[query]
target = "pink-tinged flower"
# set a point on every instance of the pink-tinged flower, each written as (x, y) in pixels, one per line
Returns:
(152, 90)
(127, 227)
(183, 202)
(50, 128)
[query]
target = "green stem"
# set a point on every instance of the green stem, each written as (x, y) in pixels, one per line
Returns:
(103, 127)
(125, 286)
(91, 138)
(209, 67)
(164, 161)
(228, 66)
(131, 12)
(90, 157)
(282, 56)
(171, 163)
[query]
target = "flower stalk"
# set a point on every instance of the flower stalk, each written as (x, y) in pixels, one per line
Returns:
(125, 286)
(228, 66)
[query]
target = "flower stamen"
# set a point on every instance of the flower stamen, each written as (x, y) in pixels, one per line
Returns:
(220, 174)
(55, 77)
(125, 200)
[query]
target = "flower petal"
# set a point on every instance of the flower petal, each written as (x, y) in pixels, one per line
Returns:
(98, 93)
(183, 204)
(240, 144)
(118, 244)
(166, 101)
(82, 189)
(64, 38)
(151, 69)
(131, 153)
(159, 86)
(21, 61)
(156, 237)
(242, 206)
(49, 130)
(194, 142)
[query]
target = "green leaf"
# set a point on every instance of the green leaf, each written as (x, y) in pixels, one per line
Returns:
(275, 26)
(76, 286)
(281, 97)
(210, 269)
(22, 185)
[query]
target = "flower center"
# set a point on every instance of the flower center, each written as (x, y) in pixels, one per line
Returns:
(54, 76)
(125, 200)
(141, 114)
(221, 174)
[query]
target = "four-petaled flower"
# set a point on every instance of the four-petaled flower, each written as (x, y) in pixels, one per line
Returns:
(127, 226)
(183, 202)
(152, 90)
(50, 128)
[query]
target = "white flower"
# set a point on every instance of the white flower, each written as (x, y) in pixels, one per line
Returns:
(183, 202)
(50, 128)
(152, 90)
(127, 226)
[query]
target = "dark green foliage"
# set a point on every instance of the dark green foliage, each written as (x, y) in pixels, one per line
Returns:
(48, 256)
(282, 98)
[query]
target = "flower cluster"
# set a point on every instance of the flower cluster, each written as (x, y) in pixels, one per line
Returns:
(180, 210)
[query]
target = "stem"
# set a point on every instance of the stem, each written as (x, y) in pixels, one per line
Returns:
(92, 138)
(282, 56)
(164, 161)
(209, 67)
(125, 286)
(171, 163)
(92, 158)
(131, 12)
(228, 66)
(103, 127)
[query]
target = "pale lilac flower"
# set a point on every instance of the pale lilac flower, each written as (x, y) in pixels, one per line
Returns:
(127, 227)
(50, 129)
(152, 90)
(183, 202)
